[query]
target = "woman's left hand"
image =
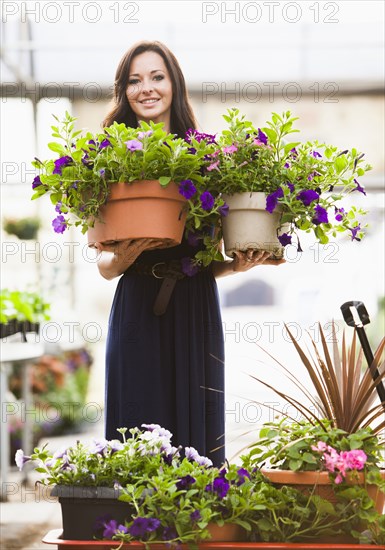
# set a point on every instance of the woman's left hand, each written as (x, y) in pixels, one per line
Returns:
(243, 261)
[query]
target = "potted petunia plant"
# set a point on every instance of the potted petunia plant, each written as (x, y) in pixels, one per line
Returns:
(276, 186)
(335, 449)
(126, 183)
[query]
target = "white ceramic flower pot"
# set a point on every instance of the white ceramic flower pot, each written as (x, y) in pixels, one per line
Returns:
(249, 225)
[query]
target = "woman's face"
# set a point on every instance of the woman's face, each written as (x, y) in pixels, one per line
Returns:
(149, 90)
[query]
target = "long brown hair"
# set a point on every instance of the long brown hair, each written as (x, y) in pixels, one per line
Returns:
(182, 117)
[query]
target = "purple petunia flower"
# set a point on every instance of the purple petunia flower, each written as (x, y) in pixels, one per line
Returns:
(284, 239)
(185, 482)
(21, 459)
(193, 455)
(316, 154)
(193, 239)
(61, 163)
(354, 231)
(243, 474)
(312, 175)
(99, 446)
(272, 200)
(188, 267)
(321, 215)
(110, 528)
(359, 188)
(307, 196)
(207, 200)
(59, 224)
(290, 186)
(195, 516)
(115, 446)
(339, 213)
(187, 189)
(220, 486)
(169, 533)
(134, 145)
(262, 136)
(36, 182)
(294, 152)
(142, 135)
(199, 136)
(141, 526)
(286, 165)
(102, 172)
(105, 143)
(224, 210)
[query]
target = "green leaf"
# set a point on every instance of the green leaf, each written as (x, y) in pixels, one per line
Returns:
(164, 180)
(57, 148)
(295, 465)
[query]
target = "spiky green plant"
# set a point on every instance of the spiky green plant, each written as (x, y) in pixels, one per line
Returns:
(345, 394)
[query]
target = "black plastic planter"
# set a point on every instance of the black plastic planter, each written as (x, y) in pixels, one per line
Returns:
(13, 326)
(85, 508)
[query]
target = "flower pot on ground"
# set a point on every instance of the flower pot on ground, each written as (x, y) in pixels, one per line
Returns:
(85, 508)
(320, 483)
(340, 432)
(141, 209)
(249, 225)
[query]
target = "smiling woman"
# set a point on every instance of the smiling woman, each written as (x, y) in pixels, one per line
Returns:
(165, 348)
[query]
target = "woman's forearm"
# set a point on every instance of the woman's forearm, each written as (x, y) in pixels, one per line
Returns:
(112, 264)
(221, 269)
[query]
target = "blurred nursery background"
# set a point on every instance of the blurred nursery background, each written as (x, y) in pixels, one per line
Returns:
(321, 60)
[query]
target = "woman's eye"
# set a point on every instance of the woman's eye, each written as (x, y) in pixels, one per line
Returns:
(159, 77)
(133, 81)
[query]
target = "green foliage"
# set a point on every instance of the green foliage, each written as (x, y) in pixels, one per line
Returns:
(23, 306)
(23, 228)
(288, 445)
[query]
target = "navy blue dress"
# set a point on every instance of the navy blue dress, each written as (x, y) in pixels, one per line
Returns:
(167, 369)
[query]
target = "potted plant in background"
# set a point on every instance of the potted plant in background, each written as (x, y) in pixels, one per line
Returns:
(23, 228)
(126, 183)
(336, 449)
(21, 311)
(275, 187)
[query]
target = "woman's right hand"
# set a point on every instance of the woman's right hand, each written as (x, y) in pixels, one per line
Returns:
(123, 254)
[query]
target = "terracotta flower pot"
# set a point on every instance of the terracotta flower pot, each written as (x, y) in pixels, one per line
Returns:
(141, 209)
(225, 533)
(319, 483)
(249, 225)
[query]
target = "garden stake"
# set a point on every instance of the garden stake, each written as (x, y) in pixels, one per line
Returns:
(363, 315)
